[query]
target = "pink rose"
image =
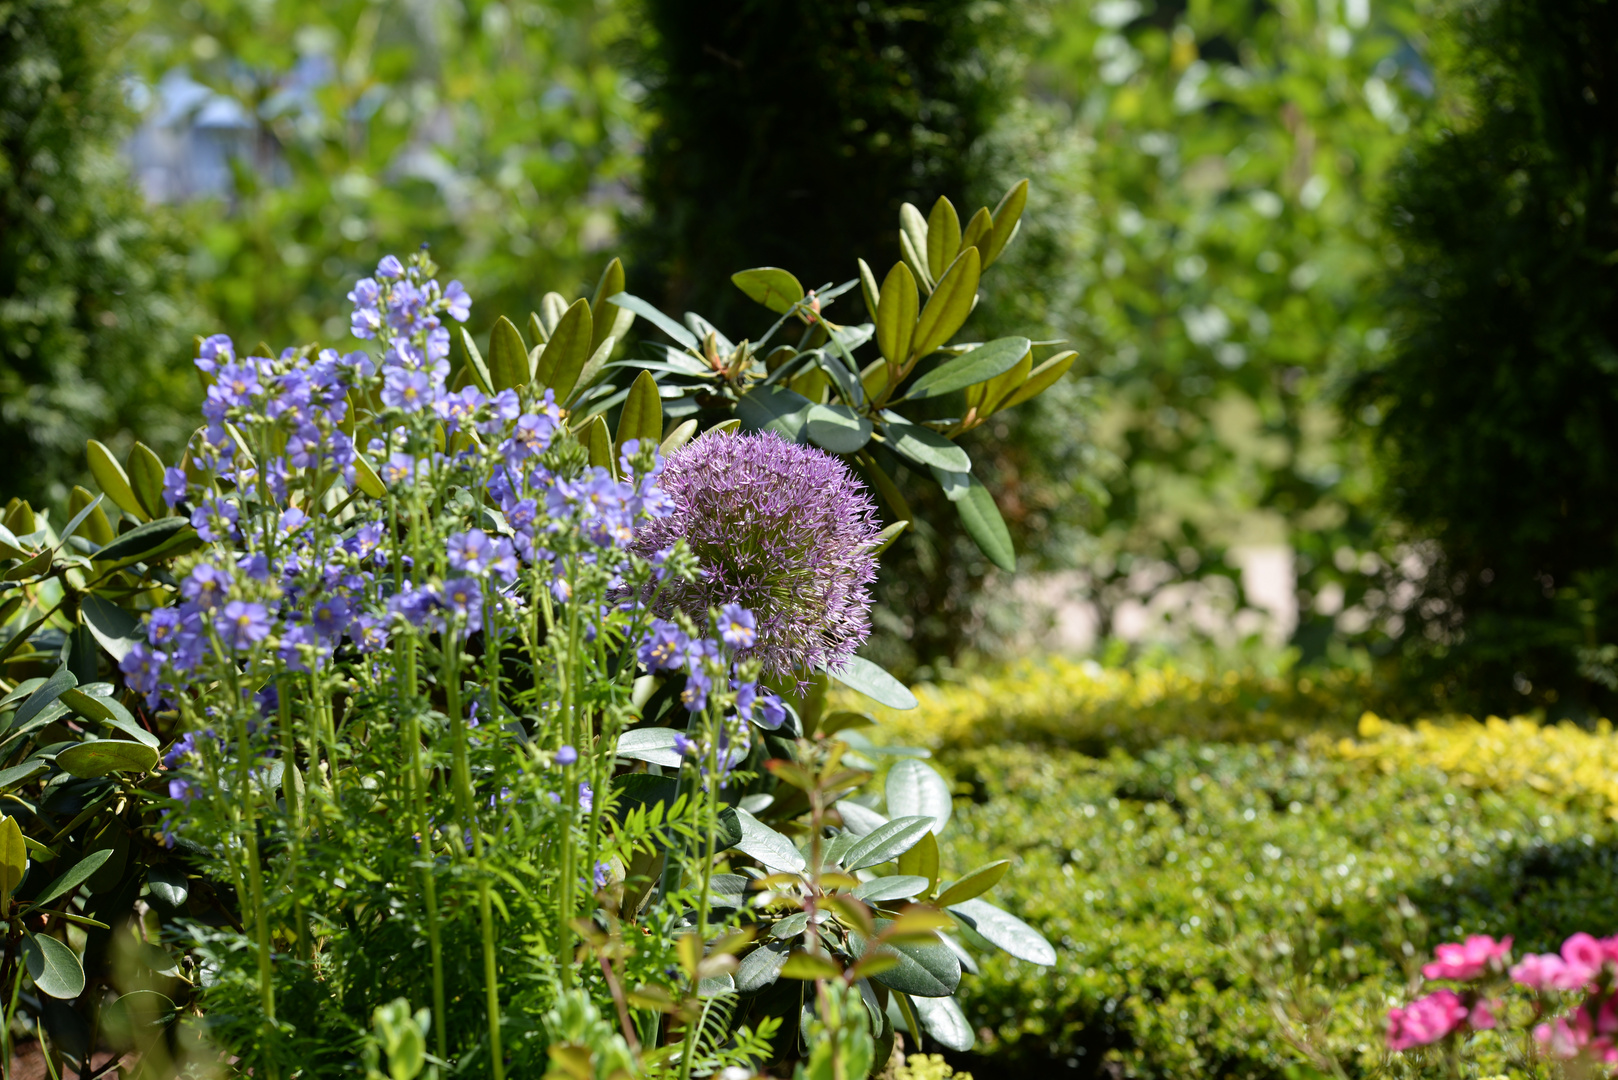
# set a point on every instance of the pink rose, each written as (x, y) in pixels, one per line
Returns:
(1585, 951)
(1425, 1020)
(1468, 960)
(1539, 971)
(1482, 1017)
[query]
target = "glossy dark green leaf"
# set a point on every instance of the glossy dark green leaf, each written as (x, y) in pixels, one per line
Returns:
(146, 477)
(104, 756)
(60, 680)
(18, 775)
(474, 362)
(771, 286)
(728, 829)
(31, 568)
(568, 351)
(955, 485)
(790, 927)
(54, 967)
(837, 428)
(109, 711)
(945, 1022)
(981, 518)
(508, 356)
(73, 878)
(923, 445)
(970, 368)
(115, 629)
(922, 971)
(642, 414)
(111, 478)
(729, 890)
(943, 236)
(915, 788)
(649, 312)
(145, 541)
(168, 886)
(762, 966)
(772, 408)
(886, 842)
(892, 887)
(859, 820)
(1005, 930)
(875, 683)
(974, 884)
(896, 314)
(607, 320)
(768, 846)
(655, 745)
(949, 305)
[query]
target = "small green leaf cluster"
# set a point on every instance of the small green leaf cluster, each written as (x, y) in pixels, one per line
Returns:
(1251, 909)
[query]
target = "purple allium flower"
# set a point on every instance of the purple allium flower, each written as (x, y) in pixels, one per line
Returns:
(785, 531)
(242, 624)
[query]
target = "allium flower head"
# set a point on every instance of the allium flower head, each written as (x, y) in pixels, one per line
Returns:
(783, 530)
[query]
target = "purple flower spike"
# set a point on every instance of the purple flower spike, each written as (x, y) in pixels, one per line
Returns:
(783, 530)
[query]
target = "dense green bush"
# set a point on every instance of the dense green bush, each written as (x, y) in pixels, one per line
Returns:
(1219, 906)
(90, 296)
(1501, 401)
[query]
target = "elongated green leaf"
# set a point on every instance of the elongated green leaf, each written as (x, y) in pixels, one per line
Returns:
(31, 568)
(599, 443)
(568, 350)
(916, 261)
(51, 689)
(103, 756)
(985, 526)
(913, 243)
(772, 408)
(366, 479)
(674, 330)
(922, 860)
(875, 683)
(169, 885)
(923, 445)
(594, 367)
(650, 744)
(949, 305)
(508, 356)
(145, 541)
(790, 927)
(146, 477)
(977, 228)
(858, 820)
(986, 397)
(678, 437)
(642, 415)
(80, 515)
(13, 858)
(21, 637)
(886, 842)
(868, 289)
(896, 314)
(762, 966)
(837, 428)
(112, 479)
(922, 970)
(1040, 379)
(980, 365)
(55, 968)
(1005, 930)
(945, 1022)
(892, 887)
(18, 775)
(802, 965)
(943, 236)
(608, 320)
(1007, 215)
(768, 846)
(771, 286)
(474, 361)
(915, 788)
(73, 878)
(114, 628)
(974, 884)
(109, 711)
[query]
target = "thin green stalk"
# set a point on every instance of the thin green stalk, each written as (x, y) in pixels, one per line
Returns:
(295, 807)
(255, 877)
(711, 821)
(418, 806)
(570, 795)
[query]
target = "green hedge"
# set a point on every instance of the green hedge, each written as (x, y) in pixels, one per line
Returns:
(1200, 893)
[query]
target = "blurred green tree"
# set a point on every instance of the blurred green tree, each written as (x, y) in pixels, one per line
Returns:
(500, 133)
(93, 320)
(1500, 399)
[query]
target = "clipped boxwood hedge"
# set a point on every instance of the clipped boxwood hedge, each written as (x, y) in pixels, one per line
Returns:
(1220, 905)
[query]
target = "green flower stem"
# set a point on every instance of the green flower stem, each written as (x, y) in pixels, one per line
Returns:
(295, 807)
(710, 822)
(569, 672)
(255, 877)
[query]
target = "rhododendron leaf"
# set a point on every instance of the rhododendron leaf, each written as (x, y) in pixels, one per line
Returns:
(913, 244)
(868, 289)
(977, 228)
(568, 350)
(103, 756)
(770, 408)
(922, 860)
(474, 361)
(922, 971)
(949, 305)
(896, 314)
(366, 479)
(892, 887)
(955, 484)
(655, 745)
(73, 878)
(52, 688)
(595, 439)
(508, 356)
(974, 884)
(802, 965)
(859, 820)
(945, 1022)
(768, 846)
(13, 857)
(642, 414)
(1039, 380)
(923, 445)
(771, 286)
(148, 540)
(943, 236)
(979, 365)
(997, 389)
(762, 966)
(1007, 216)
(875, 683)
(112, 479)
(54, 967)
(630, 302)
(146, 477)
(985, 526)
(594, 366)
(109, 711)
(607, 319)
(80, 514)
(678, 437)
(886, 842)
(1004, 930)
(914, 787)
(114, 628)
(837, 428)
